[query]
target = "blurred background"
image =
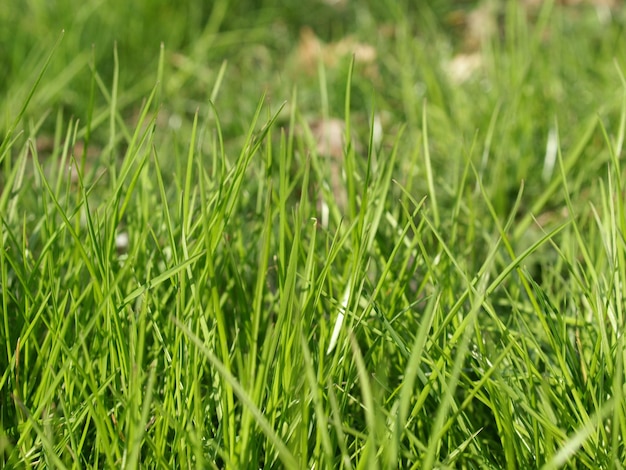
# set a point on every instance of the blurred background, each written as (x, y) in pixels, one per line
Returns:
(473, 61)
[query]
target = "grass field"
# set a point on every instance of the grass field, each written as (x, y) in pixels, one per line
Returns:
(286, 234)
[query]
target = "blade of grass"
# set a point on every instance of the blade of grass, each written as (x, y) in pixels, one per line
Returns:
(286, 457)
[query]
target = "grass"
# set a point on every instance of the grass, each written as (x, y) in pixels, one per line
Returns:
(187, 281)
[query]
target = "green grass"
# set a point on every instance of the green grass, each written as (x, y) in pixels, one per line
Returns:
(458, 302)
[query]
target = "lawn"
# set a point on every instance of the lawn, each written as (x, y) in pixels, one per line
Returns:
(324, 234)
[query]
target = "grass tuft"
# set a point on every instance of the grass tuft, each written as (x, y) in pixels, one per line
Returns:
(236, 236)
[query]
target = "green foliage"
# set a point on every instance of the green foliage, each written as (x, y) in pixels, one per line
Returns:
(184, 285)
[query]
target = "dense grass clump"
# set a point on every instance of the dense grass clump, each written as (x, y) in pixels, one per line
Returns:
(264, 236)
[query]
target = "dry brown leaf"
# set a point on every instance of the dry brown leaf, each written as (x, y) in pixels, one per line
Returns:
(535, 4)
(483, 22)
(363, 53)
(329, 141)
(329, 137)
(462, 67)
(335, 3)
(481, 26)
(311, 50)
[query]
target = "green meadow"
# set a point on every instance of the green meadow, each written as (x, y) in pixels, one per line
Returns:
(312, 234)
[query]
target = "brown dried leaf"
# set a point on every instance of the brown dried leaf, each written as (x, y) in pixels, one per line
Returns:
(329, 140)
(311, 50)
(462, 67)
(328, 135)
(480, 27)
(363, 53)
